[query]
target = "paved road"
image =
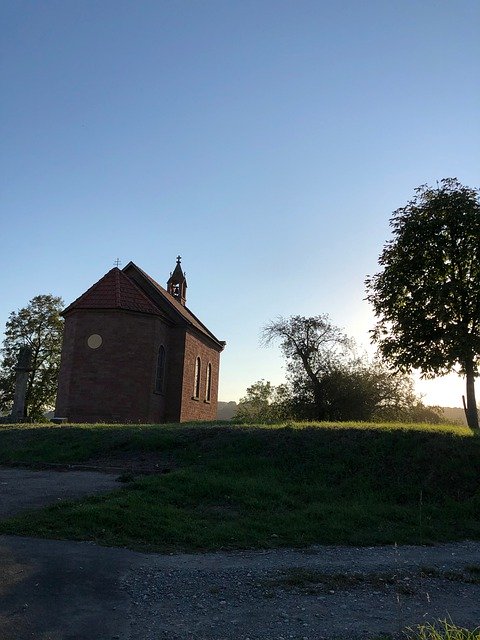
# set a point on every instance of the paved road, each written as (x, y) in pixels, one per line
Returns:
(58, 590)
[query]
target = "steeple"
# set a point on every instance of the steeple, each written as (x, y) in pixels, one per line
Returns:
(177, 283)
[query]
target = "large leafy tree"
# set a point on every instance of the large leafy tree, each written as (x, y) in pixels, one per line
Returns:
(427, 297)
(40, 327)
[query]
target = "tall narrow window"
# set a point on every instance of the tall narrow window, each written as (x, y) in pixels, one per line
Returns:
(208, 390)
(160, 373)
(196, 385)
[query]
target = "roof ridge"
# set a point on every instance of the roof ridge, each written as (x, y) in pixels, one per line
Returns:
(182, 310)
(201, 323)
(117, 286)
(114, 290)
(132, 283)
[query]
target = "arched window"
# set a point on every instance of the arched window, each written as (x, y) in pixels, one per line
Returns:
(196, 385)
(208, 389)
(160, 373)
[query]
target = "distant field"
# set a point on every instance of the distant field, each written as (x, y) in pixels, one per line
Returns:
(211, 486)
(455, 415)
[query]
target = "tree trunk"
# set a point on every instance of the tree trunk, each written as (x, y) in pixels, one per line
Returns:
(317, 389)
(472, 414)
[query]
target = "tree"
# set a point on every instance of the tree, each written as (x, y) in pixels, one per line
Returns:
(309, 345)
(40, 327)
(427, 297)
(329, 381)
(364, 389)
(263, 403)
(360, 389)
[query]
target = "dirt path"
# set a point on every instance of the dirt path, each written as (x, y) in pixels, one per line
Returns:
(22, 489)
(62, 590)
(59, 590)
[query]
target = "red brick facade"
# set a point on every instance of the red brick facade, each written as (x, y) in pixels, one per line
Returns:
(199, 408)
(118, 379)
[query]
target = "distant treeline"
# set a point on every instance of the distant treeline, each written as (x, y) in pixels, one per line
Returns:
(226, 410)
(454, 415)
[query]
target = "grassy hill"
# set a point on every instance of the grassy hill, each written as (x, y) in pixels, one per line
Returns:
(210, 486)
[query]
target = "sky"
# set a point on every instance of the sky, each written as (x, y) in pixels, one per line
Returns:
(266, 142)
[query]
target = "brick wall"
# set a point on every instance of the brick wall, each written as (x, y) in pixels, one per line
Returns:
(116, 381)
(174, 366)
(192, 408)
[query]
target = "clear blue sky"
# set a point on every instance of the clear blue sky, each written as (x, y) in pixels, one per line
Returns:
(267, 142)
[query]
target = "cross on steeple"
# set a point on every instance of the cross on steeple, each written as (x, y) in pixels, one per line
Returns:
(117, 263)
(177, 283)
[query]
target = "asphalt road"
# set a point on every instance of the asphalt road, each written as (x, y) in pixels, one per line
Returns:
(59, 590)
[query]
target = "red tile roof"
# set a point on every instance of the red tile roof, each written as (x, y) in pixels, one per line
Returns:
(114, 291)
(117, 290)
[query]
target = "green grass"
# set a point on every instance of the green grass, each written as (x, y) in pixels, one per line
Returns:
(443, 630)
(234, 486)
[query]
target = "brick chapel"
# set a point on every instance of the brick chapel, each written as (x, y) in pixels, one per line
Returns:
(134, 352)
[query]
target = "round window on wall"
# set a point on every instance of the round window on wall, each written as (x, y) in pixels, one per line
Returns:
(94, 341)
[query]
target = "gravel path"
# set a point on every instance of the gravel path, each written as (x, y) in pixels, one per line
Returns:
(64, 590)
(324, 592)
(55, 590)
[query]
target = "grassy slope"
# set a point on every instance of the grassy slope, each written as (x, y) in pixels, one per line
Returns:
(263, 486)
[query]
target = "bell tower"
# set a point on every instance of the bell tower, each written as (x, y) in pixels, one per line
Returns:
(177, 283)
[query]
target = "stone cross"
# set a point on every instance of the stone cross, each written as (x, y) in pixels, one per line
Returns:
(23, 368)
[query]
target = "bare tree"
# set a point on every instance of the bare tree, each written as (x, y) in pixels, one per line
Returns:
(328, 380)
(311, 347)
